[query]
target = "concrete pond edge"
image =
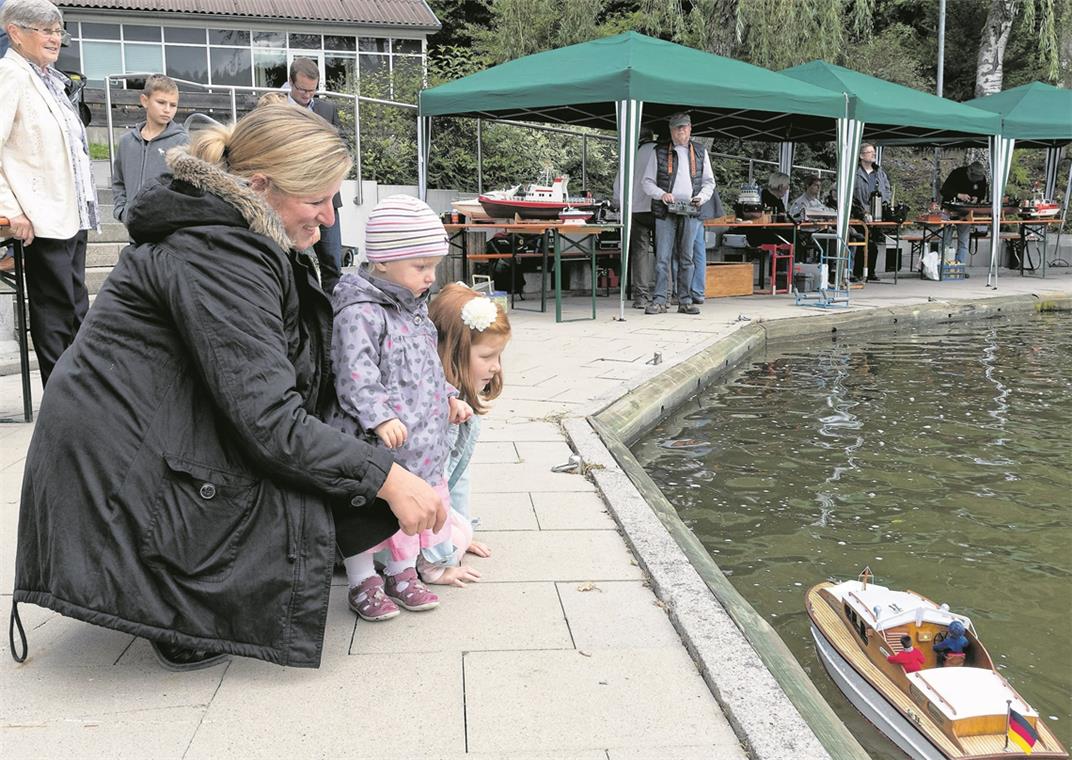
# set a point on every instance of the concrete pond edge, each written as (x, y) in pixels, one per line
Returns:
(768, 698)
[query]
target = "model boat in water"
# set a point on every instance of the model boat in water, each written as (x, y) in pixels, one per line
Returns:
(961, 708)
(535, 202)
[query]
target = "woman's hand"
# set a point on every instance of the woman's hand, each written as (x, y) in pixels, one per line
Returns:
(459, 410)
(22, 228)
(479, 549)
(393, 433)
(415, 503)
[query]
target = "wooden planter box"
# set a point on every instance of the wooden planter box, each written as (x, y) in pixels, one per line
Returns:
(729, 278)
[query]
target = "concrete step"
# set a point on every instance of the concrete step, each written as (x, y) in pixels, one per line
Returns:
(103, 254)
(110, 232)
(104, 196)
(95, 277)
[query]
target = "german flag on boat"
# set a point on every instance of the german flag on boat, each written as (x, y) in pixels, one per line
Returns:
(1021, 733)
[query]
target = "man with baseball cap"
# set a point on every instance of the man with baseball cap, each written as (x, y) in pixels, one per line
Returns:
(966, 184)
(678, 172)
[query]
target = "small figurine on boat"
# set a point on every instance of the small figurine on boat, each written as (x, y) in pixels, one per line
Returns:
(953, 704)
(536, 201)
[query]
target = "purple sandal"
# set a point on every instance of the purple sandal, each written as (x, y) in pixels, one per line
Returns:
(410, 592)
(368, 601)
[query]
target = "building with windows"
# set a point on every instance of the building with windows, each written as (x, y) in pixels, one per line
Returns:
(381, 43)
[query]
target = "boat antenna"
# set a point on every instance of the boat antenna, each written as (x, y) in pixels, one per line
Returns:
(866, 576)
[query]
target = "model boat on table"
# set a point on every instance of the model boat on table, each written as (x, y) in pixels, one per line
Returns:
(535, 201)
(1038, 207)
(963, 709)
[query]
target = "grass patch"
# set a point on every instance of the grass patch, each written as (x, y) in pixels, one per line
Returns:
(99, 151)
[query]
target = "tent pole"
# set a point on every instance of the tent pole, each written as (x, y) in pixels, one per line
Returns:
(629, 116)
(479, 157)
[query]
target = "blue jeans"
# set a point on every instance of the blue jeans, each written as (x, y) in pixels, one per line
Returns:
(699, 265)
(667, 249)
(963, 240)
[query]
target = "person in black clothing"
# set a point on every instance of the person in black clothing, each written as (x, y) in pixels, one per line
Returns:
(966, 184)
(200, 504)
(870, 179)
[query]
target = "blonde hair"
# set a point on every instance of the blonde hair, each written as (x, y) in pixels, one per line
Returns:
(271, 97)
(299, 152)
(456, 339)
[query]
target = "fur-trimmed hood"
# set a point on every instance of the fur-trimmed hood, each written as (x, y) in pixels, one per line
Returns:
(196, 194)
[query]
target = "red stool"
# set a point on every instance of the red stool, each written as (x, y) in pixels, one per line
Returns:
(780, 252)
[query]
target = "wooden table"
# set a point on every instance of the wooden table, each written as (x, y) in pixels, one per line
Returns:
(565, 241)
(17, 280)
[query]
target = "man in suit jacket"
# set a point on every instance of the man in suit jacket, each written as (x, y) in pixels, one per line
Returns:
(304, 82)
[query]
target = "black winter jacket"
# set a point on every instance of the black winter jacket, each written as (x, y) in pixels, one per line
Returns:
(179, 475)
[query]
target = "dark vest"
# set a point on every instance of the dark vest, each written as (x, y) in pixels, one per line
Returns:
(666, 168)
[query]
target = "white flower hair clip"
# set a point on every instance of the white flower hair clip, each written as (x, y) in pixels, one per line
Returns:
(479, 314)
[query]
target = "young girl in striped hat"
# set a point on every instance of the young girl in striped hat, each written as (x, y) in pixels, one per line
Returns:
(390, 385)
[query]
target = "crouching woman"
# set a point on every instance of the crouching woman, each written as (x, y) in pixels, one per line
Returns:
(180, 479)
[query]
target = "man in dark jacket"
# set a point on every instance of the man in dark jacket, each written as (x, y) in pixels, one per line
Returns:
(178, 480)
(965, 184)
(304, 82)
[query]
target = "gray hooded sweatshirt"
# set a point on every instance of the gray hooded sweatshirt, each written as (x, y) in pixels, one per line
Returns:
(139, 161)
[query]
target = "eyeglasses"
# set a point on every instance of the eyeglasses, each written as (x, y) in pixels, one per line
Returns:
(57, 32)
(307, 91)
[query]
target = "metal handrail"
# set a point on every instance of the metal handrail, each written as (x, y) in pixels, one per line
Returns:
(234, 89)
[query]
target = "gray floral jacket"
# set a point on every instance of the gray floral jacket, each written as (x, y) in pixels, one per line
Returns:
(383, 351)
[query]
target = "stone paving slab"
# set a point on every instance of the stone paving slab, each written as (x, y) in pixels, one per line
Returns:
(403, 706)
(615, 615)
(505, 612)
(558, 555)
(571, 511)
(506, 511)
(523, 477)
(600, 699)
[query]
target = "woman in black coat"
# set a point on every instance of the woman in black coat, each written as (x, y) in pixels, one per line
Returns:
(180, 482)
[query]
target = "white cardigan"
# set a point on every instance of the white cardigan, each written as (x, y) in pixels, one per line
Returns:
(36, 176)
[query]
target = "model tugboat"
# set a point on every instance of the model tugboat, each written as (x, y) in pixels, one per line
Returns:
(535, 202)
(1037, 207)
(956, 705)
(749, 202)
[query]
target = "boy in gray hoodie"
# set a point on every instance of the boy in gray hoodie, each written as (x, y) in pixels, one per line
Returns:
(140, 153)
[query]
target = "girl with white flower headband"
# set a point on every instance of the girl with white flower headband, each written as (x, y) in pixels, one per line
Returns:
(391, 387)
(473, 331)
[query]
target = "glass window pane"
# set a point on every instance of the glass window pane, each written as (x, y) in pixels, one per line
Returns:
(340, 73)
(231, 66)
(190, 63)
(375, 76)
(73, 28)
(147, 58)
(69, 59)
(184, 34)
(373, 44)
(102, 59)
(305, 41)
(100, 31)
(406, 46)
(269, 68)
(269, 39)
(338, 42)
(141, 33)
(228, 37)
(407, 76)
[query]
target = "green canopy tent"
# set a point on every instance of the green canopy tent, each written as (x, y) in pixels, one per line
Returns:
(888, 113)
(613, 83)
(1035, 115)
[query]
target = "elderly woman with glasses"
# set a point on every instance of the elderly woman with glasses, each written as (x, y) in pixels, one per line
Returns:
(46, 185)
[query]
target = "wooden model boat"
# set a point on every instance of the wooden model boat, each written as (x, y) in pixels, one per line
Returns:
(961, 710)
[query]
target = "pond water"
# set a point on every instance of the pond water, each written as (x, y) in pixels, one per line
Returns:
(940, 460)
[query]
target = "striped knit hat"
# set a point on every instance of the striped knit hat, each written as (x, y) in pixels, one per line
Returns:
(403, 227)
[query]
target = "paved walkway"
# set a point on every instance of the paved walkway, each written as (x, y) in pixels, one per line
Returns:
(560, 652)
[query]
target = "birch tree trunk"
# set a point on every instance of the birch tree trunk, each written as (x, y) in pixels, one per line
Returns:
(989, 67)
